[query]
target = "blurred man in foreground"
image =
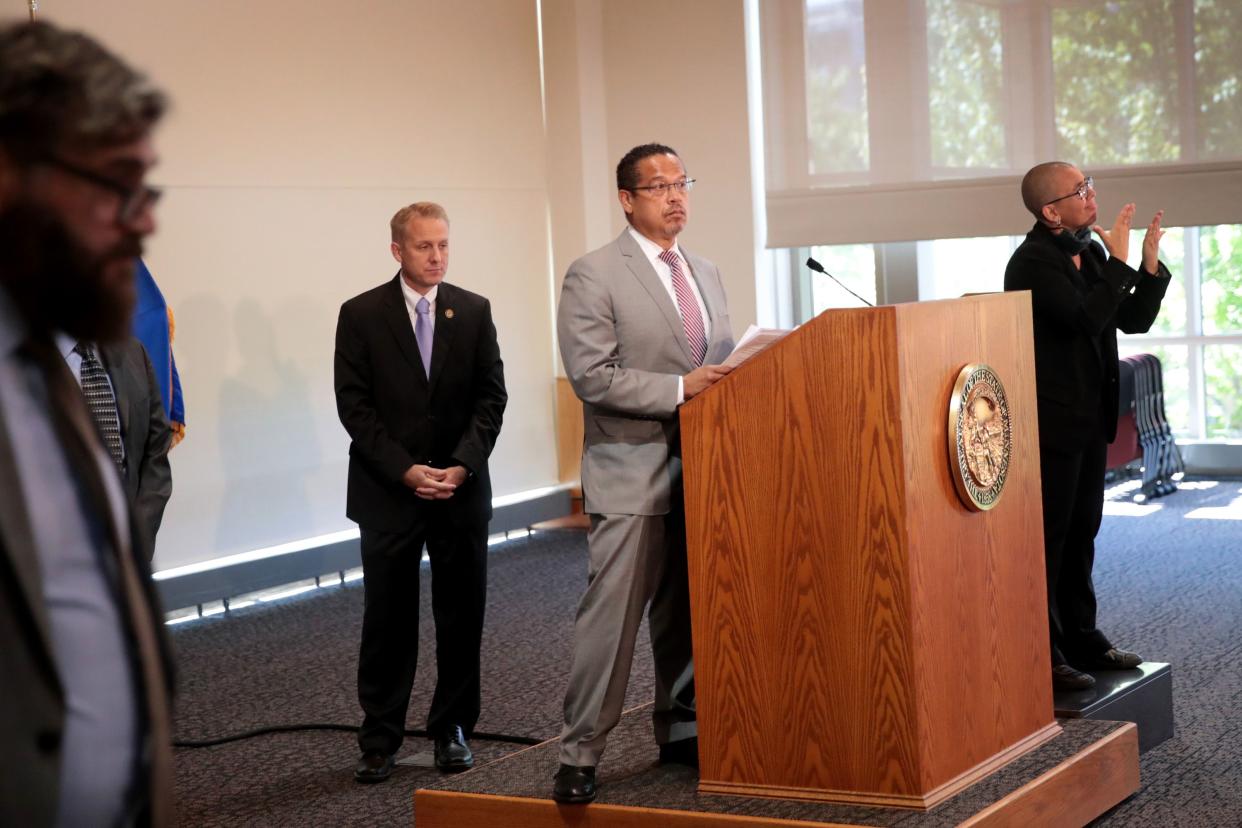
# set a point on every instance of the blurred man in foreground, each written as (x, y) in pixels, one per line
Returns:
(84, 668)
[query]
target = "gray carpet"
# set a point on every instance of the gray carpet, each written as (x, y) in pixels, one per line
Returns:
(1170, 585)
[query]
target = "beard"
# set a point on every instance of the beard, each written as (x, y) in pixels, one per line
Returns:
(58, 285)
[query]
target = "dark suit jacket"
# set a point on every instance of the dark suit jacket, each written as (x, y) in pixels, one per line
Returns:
(396, 416)
(1076, 318)
(145, 430)
(32, 704)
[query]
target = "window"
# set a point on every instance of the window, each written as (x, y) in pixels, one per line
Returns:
(965, 75)
(836, 86)
(1197, 336)
(1115, 81)
(898, 105)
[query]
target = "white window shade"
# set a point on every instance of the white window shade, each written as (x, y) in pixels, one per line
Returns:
(897, 120)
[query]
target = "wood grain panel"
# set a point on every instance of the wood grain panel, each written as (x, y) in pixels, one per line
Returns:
(844, 602)
(979, 609)
(568, 432)
(1073, 793)
(799, 590)
(1076, 791)
(446, 809)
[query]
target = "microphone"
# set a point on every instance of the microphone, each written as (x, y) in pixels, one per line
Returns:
(819, 268)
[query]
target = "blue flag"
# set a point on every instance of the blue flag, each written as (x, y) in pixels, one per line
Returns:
(153, 325)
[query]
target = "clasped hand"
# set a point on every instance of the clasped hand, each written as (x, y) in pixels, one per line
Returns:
(431, 483)
(1117, 240)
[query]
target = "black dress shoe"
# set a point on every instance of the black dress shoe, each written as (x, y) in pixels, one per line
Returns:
(681, 752)
(1111, 659)
(374, 766)
(452, 753)
(1065, 677)
(574, 785)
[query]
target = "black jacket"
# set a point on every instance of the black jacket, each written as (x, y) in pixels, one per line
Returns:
(397, 417)
(1076, 318)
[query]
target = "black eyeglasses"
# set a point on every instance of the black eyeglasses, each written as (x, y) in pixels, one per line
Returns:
(662, 189)
(134, 200)
(1088, 183)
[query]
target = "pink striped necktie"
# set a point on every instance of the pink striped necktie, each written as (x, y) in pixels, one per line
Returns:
(691, 316)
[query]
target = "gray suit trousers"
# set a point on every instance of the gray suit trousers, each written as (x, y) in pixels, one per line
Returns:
(635, 560)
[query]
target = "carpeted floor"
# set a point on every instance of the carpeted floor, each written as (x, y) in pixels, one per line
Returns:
(1169, 575)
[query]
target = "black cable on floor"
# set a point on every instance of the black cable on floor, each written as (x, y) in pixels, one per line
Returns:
(264, 731)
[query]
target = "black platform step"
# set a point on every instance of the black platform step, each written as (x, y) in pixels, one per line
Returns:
(1143, 695)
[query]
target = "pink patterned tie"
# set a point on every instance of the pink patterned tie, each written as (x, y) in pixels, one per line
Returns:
(691, 316)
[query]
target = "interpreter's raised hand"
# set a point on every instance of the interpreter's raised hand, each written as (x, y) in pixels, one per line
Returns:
(428, 482)
(702, 378)
(1117, 240)
(1151, 245)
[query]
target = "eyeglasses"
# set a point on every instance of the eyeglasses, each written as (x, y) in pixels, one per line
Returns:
(1088, 183)
(134, 200)
(662, 189)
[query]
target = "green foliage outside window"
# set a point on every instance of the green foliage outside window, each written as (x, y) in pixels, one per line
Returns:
(837, 121)
(1220, 251)
(836, 87)
(966, 85)
(1217, 23)
(1115, 81)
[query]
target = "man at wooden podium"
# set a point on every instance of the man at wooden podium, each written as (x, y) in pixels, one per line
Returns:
(1080, 297)
(642, 324)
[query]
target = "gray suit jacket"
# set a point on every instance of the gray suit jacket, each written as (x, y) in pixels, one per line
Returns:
(624, 348)
(145, 429)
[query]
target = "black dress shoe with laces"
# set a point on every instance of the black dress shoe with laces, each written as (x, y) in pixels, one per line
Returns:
(374, 766)
(574, 785)
(1065, 677)
(681, 752)
(452, 753)
(1111, 659)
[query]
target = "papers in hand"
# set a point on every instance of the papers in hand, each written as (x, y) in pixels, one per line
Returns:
(752, 342)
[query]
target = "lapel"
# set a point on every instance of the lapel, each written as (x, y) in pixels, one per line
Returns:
(447, 323)
(398, 320)
(1079, 278)
(640, 266)
(17, 539)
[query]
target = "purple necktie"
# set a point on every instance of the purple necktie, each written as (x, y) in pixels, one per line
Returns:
(691, 316)
(422, 332)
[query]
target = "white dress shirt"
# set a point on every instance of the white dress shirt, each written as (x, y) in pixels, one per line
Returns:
(411, 303)
(665, 274)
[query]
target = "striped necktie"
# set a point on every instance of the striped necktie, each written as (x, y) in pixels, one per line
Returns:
(101, 402)
(691, 316)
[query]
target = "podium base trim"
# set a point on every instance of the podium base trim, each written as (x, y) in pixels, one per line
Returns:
(1070, 780)
(919, 802)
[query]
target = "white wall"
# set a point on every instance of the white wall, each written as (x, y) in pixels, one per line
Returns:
(298, 129)
(638, 71)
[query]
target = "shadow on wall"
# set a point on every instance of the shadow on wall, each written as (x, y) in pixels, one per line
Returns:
(268, 444)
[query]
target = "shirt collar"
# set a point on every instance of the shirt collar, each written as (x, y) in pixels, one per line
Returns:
(412, 296)
(65, 343)
(652, 249)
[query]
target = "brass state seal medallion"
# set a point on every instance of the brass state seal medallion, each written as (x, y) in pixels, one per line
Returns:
(980, 438)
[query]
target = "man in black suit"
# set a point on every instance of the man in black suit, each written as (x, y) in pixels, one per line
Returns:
(85, 674)
(1080, 297)
(132, 408)
(420, 388)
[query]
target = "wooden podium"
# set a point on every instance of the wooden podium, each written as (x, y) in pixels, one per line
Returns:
(860, 636)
